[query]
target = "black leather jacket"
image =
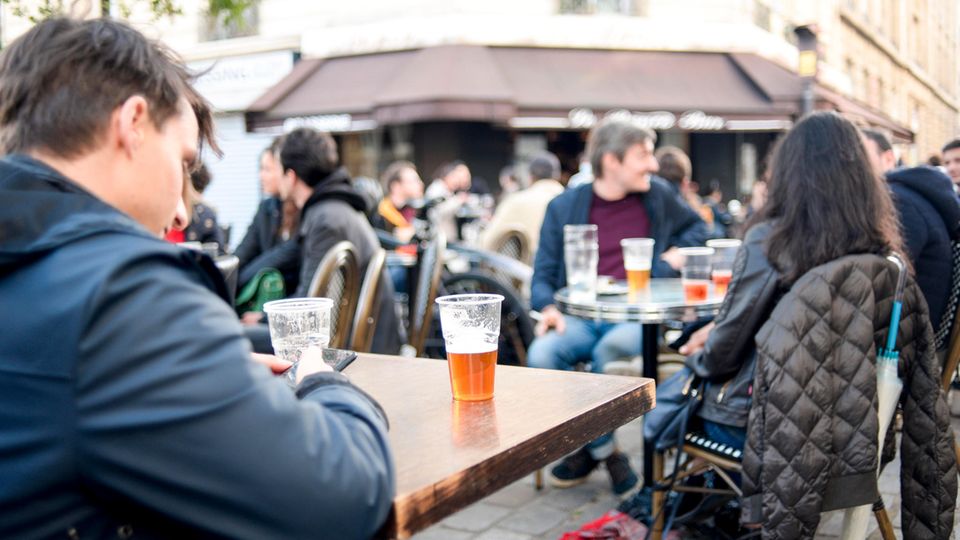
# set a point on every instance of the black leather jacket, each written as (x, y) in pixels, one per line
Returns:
(728, 358)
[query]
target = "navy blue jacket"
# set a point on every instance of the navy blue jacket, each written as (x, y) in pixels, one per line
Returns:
(128, 399)
(929, 212)
(672, 223)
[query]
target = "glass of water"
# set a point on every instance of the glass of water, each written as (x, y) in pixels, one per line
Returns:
(581, 252)
(297, 325)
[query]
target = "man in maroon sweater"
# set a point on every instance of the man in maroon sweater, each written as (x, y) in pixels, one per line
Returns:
(625, 201)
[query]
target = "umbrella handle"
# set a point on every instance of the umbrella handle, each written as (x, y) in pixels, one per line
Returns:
(897, 300)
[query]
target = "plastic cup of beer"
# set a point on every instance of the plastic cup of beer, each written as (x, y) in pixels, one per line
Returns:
(725, 251)
(296, 325)
(581, 253)
(695, 275)
(471, 329)
(637, 260)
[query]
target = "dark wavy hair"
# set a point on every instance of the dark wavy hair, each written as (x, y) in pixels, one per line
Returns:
(824, 200)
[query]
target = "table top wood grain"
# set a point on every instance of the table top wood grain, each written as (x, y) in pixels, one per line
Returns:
(450, 454)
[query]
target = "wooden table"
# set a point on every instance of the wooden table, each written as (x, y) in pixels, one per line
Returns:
(450, 454)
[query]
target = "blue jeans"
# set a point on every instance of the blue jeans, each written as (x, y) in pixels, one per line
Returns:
(728, 435)
(586, 341)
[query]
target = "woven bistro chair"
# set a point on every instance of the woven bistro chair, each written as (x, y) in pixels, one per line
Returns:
(338, 278)
(365, 321)
(430, 267)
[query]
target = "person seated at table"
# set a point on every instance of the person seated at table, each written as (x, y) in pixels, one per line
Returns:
(276, 220)
(203, 227)
(129, 399)
(625, 200)
(404, 187)
(332, 212)
(525, 209)
(446, 195)
(818, 168)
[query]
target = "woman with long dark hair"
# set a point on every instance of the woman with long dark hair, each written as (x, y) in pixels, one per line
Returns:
(824, 202)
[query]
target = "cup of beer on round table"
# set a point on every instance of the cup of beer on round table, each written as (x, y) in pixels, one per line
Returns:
(695, 275)
(471, 331)
(637, 260)
(724, 253)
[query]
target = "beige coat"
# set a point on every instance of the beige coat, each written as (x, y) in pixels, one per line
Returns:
(525, 210)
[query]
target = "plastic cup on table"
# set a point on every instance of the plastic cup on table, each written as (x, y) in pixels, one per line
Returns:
(725, 251)
(470, 324)
(695, 275)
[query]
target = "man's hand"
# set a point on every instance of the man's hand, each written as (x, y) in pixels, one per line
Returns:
(697, 340)
(251, 318)
(550, 317)
(311, 361)
(673, 257)
(276, 365)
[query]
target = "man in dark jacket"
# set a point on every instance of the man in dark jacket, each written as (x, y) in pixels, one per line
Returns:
(332, 212)
(129, 401)
(929, 212)
(624, 201)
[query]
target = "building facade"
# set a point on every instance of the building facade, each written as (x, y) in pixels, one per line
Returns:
(490, 82)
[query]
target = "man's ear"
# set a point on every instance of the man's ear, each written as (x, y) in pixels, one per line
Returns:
(130, 123)
(609, 161)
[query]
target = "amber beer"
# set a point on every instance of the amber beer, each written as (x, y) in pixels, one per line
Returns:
(638, 279)
(721, 280)
(696, 290)
(471, 373)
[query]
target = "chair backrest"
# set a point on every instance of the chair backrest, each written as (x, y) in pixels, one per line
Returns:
(229, 266)
(515, 244)
(338, 278)
(365, 321)
(428, 281)
(948, 335)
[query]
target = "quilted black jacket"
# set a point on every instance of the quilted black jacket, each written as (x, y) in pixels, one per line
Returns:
(812, 435)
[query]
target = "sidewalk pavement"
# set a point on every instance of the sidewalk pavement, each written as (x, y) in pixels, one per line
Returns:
(520, 512)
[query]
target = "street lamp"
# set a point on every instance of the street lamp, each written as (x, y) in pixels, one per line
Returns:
(807, 45)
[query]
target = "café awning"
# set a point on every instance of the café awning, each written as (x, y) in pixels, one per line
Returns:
(535, 88)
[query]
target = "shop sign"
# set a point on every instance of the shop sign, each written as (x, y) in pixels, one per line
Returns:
(321, 122)
(692, 120)
(232, 83)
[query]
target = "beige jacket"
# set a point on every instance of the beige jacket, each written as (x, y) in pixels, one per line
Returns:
(525, 210)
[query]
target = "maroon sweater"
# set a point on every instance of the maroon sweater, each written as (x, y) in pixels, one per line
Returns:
(616, 220)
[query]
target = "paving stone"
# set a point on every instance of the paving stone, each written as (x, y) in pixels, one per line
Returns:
(476, 518)
(570, 499)
(503, 534)
(515, 495)
(534, 518)
(439, 532)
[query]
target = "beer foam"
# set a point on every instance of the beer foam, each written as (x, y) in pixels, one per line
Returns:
(473, 346)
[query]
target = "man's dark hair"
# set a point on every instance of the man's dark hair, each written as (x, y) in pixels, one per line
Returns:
(447, 168)
(61, 81)
(309, 153)
(818, 168)
(614, 136)
(878, 138)
(200, 178)
(544, 165)
(950, 145)
(391, 175)
(674, 164)
(934, 160)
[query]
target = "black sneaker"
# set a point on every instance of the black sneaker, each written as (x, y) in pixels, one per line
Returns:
(574, 469)
(622, 477)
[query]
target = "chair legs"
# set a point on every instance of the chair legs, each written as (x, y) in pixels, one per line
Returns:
(659, 497)
(956, 450)
(538, 479)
